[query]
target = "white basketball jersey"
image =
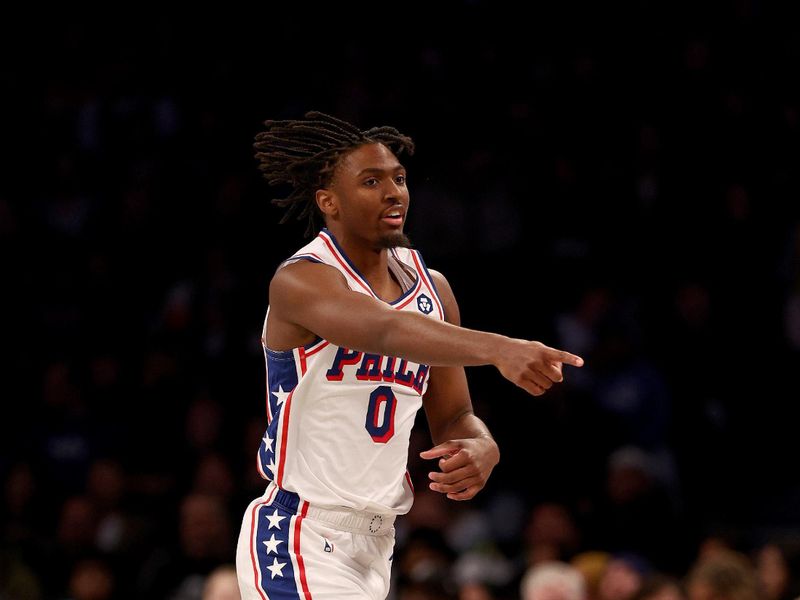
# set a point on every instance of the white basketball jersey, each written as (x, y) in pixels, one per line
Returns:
(339, 419)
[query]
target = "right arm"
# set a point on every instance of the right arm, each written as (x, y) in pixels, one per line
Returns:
(316, 298)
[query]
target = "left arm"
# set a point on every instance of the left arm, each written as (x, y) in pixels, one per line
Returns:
(466, 450)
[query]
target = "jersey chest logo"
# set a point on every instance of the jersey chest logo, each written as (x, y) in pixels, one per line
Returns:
(374, 367)
(424, 304)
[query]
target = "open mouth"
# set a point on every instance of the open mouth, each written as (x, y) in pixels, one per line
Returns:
(393, 218)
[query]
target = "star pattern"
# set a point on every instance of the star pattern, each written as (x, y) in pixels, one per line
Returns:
(268, 461)
(275, 539)
(270, 435)
(280, 395)
(268, 447)
(272, 544)
(276, 568)
(275, 520)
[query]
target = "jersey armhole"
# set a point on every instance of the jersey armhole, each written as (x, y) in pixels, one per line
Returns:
(430, 278)
(298, 257)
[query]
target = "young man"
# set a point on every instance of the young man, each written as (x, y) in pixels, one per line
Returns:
(358, 335)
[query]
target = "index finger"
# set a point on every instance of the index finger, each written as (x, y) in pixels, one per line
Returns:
(565, 357)
(443, 449)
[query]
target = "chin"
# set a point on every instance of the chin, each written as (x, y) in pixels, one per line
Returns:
(396, 239)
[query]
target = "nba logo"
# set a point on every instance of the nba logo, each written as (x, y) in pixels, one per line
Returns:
(424, 304)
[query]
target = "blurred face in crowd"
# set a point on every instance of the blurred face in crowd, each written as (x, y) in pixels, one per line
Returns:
(222, 585)
(773, 572)
(619, 582)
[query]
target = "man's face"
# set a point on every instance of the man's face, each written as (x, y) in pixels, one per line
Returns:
(371, 197)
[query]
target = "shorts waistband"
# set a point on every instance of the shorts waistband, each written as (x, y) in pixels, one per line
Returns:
(354, 521)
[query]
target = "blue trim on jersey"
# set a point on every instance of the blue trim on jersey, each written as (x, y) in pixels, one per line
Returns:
(289, 500)
(276, 533)
(364, 279)
(282, 371)
(307, 257)
(433, 283)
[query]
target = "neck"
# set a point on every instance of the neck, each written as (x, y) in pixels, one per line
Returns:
(371, 260)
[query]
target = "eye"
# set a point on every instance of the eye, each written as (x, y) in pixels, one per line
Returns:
(372, 181)
(400, 179)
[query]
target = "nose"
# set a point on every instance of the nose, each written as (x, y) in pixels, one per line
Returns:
(393, 190)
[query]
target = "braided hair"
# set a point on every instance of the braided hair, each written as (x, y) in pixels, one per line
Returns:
(304, 154)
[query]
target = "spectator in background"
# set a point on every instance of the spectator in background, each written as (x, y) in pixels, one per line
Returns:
(551, 534)
(17, 580)
(553, 580)
(205, 542)
(592, 565)
(222, 584)
(423, 591)
(91, 580)
(622, 578)
(22, 508)
(659, 587)
(76, 536)
(106, 489)
(715, 544)
(778, 567)
(425, 558)
(475, 591)
(724, 575)
(636, 513)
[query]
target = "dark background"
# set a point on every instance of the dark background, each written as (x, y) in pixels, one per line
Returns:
(623, 185)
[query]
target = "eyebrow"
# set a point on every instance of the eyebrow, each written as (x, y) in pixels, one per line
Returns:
(377, 170)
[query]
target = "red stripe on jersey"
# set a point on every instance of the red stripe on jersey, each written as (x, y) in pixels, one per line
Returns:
(434, 295)
(300, 564)
(344, 265)
(284, 432)
(315, 350)
(302, 353)
(252, 534)
(412, 293)
(266, 373)
(408, 479)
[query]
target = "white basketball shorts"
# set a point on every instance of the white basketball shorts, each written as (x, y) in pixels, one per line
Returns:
(290, 550)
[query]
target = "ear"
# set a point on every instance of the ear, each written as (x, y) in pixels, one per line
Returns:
(326, 201)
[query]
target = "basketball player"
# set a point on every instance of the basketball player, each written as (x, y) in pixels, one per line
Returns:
(358, 335)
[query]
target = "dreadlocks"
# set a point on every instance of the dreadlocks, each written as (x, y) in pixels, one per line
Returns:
(304, 154)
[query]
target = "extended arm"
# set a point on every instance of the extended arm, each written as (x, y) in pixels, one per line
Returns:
(316, 298)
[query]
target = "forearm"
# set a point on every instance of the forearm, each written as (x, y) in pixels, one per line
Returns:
(437, 343)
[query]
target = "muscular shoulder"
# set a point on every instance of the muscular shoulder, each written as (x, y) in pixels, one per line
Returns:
(301, 281)
(294, 290)
(451, 312)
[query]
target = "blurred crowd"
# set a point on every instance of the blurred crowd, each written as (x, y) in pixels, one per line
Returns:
(632, 199)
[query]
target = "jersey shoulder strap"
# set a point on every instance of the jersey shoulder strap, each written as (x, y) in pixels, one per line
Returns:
(325, 249)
